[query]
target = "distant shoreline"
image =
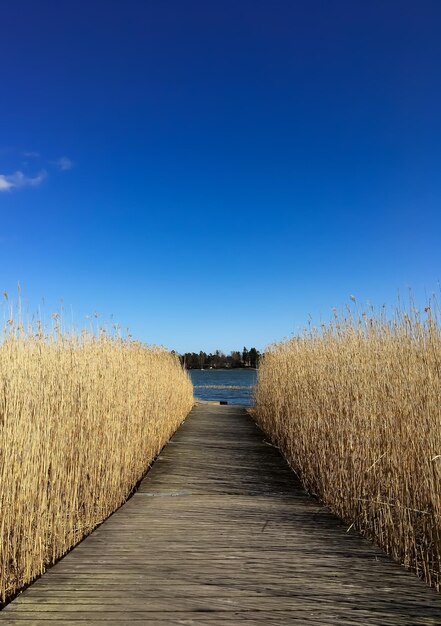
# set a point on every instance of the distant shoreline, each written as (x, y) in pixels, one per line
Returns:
(208, 369)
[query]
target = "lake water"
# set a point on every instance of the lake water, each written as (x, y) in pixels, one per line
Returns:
(234, 386)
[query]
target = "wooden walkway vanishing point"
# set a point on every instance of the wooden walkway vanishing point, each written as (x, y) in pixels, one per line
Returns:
(220, 532)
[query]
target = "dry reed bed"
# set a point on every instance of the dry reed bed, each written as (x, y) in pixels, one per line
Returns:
(81, 418)
(355, 408)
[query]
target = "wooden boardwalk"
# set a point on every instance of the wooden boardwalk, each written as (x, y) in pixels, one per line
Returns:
(220, 532)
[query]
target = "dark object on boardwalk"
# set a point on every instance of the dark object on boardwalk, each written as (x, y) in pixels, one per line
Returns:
(220, 533)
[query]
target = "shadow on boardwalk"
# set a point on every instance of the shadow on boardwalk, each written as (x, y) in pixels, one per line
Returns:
(220, 532)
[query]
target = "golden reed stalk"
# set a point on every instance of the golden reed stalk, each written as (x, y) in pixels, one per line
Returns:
(81, 418)
(355, 408)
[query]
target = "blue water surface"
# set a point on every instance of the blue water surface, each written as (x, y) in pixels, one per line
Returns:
(234, 386)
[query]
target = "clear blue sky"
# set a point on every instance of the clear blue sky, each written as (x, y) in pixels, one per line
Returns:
(212, 172)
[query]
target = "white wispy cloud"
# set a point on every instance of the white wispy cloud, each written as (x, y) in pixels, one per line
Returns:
(4, 183)
(19, 179)
(64, 163)
(22, 178)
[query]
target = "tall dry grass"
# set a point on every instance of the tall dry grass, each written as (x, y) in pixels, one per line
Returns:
(355, 406)
(81, 418)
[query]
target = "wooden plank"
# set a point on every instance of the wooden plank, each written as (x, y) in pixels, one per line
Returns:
(221, 532)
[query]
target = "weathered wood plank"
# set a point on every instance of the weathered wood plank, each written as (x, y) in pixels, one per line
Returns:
(220, 532)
